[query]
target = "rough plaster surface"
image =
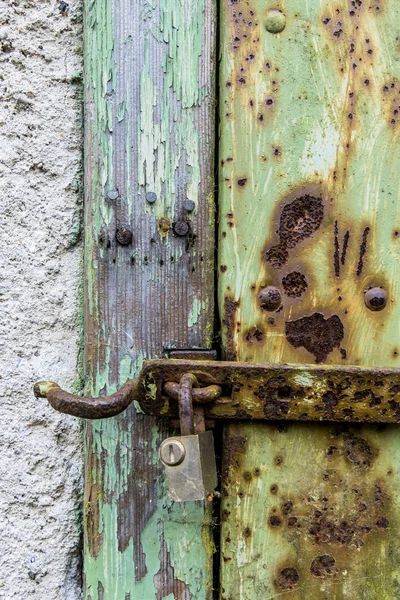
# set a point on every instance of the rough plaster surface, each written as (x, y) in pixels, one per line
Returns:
(40, 274)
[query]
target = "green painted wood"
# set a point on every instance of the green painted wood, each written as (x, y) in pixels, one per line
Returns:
(309, 204)
(149, 102)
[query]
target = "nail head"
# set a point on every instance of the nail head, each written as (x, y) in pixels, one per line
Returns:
(189, 205)
(375, 298)
(181, 228)
(124, 236)
(151, 197)
(270, 298)
(275, 21)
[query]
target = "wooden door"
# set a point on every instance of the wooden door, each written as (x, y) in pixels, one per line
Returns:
(309, 222)
(149, 225)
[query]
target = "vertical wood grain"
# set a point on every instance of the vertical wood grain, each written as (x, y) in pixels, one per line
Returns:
(310, 204)
(149, 145)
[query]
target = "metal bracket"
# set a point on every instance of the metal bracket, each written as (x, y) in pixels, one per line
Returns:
(233, 390)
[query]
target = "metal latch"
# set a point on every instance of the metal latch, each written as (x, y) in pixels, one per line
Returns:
(189, 459)
(233, 390)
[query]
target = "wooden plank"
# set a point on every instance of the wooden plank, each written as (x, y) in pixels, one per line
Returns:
(309, 204)
(148, 149)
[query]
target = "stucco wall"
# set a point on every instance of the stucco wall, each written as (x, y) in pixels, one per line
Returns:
(40, 275)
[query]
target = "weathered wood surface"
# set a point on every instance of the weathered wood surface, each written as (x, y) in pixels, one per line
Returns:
(149, 136)
(309, 204)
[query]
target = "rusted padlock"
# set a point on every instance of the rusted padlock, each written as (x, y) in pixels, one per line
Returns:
(189, 459)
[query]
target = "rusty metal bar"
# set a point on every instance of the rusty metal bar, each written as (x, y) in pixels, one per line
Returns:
(275, 392)
(81, 406)
(232, 390)
(185, 403)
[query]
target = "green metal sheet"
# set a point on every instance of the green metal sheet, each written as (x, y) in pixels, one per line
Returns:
(309, 204)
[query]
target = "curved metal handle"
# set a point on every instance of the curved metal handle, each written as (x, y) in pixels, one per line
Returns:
(87, 408)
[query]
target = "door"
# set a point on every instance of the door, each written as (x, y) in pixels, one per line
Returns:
(308, 210)
(309, 221)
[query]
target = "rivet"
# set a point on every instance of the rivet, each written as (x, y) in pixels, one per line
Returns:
(375, 298)
(172, 452)
(275, 21)
(151, 197)
(270, 298)
(124, 236)
(181, 228)
(189, 205)
(112, 194)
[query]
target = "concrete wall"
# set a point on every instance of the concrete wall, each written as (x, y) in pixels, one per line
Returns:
(40, 275)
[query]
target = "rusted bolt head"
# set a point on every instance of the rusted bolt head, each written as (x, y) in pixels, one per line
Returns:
(375, 298)
(124, 236)
(172, 452)
(189, 205)
(112, 194)
(270, 298)
(151, 197)
(275, 21)
(181, 228)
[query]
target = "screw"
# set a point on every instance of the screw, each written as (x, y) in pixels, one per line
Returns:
(151, 197)
(275, 21)
(172, 452)
(375, 298)
(270, 298)
(181, 228)
(189, 205)
(124, 236)
(112, 194)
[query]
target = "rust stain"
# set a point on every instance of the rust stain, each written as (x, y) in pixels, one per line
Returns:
(165, 581)
(363, 249)
(234, 448)
(255, 336)
(287, 579)
(316, 334)
(323, 566)
(294, 284)
(358, 451)
(229, 322)
(244, 23)
(298, 220)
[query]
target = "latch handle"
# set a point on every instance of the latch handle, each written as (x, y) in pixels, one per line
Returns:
(87, 408)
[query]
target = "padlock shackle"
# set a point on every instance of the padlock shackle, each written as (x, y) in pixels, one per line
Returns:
(185, 402)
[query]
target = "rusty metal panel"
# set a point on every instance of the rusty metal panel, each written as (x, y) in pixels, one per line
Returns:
(309, 234)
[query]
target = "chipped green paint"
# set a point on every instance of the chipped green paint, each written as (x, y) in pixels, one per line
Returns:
(310, 204)
(149, 128)
(194, 314)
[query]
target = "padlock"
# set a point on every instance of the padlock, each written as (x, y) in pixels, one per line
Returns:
(189, 459)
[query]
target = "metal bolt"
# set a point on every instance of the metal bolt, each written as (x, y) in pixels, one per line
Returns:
(189, 205)
(181, 228)
(124, 236)
(172, 452)
(375, 298)
(270, 298)
(151, 197)
(112, 194)
(275, 21)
